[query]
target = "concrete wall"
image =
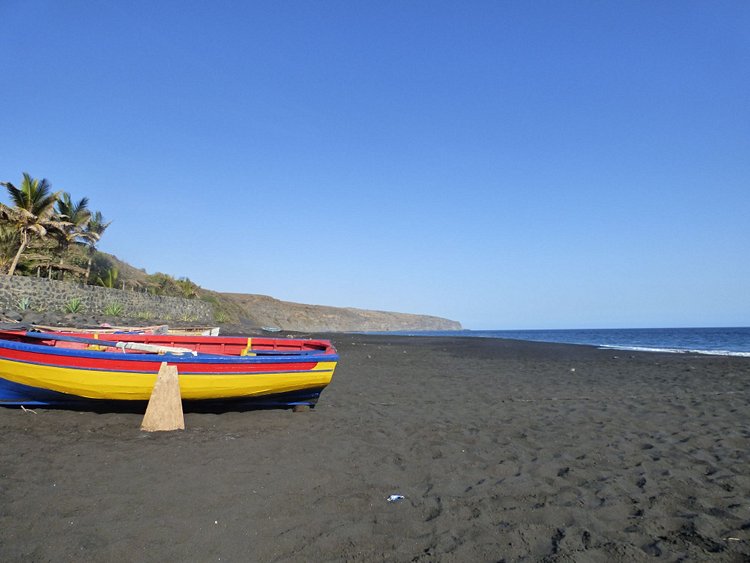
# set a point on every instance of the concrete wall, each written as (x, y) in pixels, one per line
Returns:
(51, 296)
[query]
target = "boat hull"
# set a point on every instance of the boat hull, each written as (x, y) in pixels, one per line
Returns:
(17, 395)
(36, 375)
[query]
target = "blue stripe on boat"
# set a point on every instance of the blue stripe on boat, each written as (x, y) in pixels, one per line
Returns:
(16, 394)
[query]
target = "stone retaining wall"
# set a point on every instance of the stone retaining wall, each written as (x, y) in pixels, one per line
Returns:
(51, 296)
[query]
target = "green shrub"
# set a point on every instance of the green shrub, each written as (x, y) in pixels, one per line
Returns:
(144, 315)
(24, 304)
(73, 306)
(188, 289)
(110, 278)
(114, 310)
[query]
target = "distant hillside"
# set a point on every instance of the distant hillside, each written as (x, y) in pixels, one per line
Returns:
(250, 310)
(261, 310)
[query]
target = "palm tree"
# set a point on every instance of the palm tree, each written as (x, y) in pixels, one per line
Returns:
(76, 217)
(92, 233)
(33, 212)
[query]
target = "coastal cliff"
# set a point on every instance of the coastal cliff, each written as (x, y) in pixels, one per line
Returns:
(262, 310)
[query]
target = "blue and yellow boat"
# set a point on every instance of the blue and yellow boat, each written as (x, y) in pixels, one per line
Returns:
(84, 369)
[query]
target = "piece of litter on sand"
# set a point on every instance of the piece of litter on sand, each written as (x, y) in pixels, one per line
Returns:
(395, 498)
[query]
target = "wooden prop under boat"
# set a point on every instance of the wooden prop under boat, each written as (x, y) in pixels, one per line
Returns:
(38, 368)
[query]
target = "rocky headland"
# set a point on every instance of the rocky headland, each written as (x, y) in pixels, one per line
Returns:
(262, 310)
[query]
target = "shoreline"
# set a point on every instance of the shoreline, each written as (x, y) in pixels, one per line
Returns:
(593, 337)
(503, 449)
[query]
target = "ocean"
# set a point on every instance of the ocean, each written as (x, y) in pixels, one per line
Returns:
(715, 341)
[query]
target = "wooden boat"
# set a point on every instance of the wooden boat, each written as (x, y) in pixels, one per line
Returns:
(39, 368)
(106, 329)
(195, 331)
(155, 329)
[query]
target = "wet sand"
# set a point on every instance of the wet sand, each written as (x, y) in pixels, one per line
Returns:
(503, 450)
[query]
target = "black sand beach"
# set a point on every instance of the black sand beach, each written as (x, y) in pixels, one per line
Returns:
(503, 450)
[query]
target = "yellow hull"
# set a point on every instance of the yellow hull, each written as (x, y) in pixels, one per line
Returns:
(122, 385)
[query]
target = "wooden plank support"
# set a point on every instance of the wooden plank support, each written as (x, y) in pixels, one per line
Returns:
(164, 410)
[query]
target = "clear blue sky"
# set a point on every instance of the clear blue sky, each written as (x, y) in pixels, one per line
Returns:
(505, 164)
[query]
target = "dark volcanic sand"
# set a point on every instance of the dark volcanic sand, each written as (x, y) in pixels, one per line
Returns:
(504, 451)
